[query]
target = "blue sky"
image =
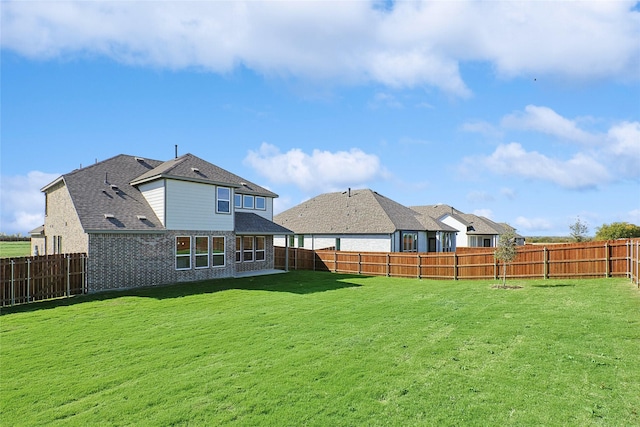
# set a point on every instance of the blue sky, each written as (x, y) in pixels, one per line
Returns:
(525, 112)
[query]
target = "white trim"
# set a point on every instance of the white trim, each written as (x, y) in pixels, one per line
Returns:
(183, 255)
(196, 255)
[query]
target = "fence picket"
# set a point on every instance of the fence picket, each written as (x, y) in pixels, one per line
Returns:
(621, 258)
(28, 279)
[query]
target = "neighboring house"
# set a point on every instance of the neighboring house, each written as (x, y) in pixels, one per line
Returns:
(363, 220)
(146, 222)
(474, 231)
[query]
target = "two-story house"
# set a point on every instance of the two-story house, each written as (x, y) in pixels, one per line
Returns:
(144, 222)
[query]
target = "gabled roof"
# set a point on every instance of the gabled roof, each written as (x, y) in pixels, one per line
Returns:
(103, 190)
(436, 211)
(251, 223)
(106, 198)
(191, 168)
(350, 212)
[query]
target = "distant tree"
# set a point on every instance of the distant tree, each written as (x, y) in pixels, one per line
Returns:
(617, 230)
(506, 252)
(579, 230)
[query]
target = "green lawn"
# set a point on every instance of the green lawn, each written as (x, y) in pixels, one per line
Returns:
(323, 349)
(15, 249)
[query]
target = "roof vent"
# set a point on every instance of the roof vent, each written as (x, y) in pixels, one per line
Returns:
(244, 184)
(141, 217)
(196, 170)
(109, 216)
(140, 159)
(114, 187)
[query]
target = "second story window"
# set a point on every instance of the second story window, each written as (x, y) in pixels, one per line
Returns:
(238, 200)
(224, 200)
(260, 203)
(247, 202)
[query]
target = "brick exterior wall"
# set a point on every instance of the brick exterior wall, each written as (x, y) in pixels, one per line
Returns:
(121, 261)
(267, 264)
(62, 220)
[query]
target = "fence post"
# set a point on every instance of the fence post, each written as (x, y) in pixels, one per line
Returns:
(455, 266)
(335, 261)
(388, 265)
(495, 268)
(629, 258)
(419, 266)
(28, 279)
(68, 275)
(607, 260)
(85, 285)
(545, 272)
(13, 292)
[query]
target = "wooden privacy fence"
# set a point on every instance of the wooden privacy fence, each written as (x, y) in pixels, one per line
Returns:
(617, 258)
(28, 279)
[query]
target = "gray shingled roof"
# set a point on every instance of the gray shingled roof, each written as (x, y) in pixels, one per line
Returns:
(94, 197)
(361, 212)
(480, 224)
(191, 168)
(108, 188)
(436, 211)
(250, 223)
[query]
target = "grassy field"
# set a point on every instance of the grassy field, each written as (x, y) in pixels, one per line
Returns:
(14, 249)
(321, 349)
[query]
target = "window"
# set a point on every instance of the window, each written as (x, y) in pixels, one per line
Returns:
(238, 249)
(224, 200)
(292, 242)
(202, 252)
(247, 202)
(247, 248)
(487, 243)
(447, 242)
(237, 200)
(260, 248)
(337, 243)
(217, 250)
(183, 253)
(55, 244)
(409, 242)
(301, 240)
(261, 203)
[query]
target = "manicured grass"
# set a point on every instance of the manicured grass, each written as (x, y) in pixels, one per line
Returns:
(322, 349)
(14, 249)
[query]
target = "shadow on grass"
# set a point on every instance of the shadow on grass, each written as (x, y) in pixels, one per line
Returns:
(552, 285)
(296, 282)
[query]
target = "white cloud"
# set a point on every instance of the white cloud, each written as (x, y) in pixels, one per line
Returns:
(410, 44)
(481, 127)
(318, 171)
(545, 120)
(509, 193)
(623, 149)
(579, 172)
(22, 207)
(532, 224)
(487, 213)
(479, 196)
